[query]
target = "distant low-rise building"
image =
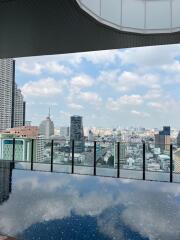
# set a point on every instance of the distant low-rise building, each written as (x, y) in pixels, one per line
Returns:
(25, 131)
(22, 148)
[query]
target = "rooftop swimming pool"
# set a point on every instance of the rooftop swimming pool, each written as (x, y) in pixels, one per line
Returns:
(54, 206)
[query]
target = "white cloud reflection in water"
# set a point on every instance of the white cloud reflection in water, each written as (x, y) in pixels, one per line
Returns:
(152, 209)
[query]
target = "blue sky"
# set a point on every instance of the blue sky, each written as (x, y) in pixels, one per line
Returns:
(130, 87)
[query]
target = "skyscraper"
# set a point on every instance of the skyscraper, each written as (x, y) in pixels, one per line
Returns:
(163, 139)
(166, 131)
(12, 111)
(46, 127)
(77, 133)
(19, 110)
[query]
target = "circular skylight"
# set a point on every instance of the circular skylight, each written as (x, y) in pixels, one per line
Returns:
(140, 16)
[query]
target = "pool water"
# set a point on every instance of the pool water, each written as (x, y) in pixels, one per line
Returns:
(37, 205)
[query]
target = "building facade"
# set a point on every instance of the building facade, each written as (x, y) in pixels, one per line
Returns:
(19, 111)
(12, 105)
(77, 133)
(7, 79)
(46, 128)
(163, 139)
(22, 148)
(64, 132)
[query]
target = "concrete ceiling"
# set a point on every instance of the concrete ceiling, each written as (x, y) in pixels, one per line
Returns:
(42, 27)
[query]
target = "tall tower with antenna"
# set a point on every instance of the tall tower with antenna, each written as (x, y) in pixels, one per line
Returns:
(46, 128)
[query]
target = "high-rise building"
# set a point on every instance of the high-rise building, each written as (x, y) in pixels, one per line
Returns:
(166, 131)
(64, 132)
(7, 79)
(77, 133)
(163, 139)
(12, 111)
(178, 140)
(19, 111)
(46, 127)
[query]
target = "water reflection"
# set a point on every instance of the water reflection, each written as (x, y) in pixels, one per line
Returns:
(56, 206)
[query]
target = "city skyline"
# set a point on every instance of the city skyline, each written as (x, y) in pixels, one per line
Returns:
(131, 87)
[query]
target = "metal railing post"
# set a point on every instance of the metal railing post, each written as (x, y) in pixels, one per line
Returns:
(171, 163)
(72, 170)
(94, 158)
(118, 159)
(144, 161)
(13, 153)
(32, 153)
(52, 153)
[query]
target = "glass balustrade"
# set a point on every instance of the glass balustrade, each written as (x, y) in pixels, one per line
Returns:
(132, 160)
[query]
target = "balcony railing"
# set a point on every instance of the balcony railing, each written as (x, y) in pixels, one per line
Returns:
(131, 160)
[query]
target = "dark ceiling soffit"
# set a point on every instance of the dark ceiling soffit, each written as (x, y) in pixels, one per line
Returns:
(43, 27)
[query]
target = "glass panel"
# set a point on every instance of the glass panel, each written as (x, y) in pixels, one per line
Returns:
(62, 156)
(93, 5)
(105, 159)
(133, 13)
(84, 161)
(131, 160)
(42, 154)
(23, 153)
(7, 149)
(158, 162)
(176, 14)
(158, 14)
(176, 164)
(111, 11)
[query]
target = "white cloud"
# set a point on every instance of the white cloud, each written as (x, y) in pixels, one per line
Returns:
(140, 114)
(55, 67)
(172, 67)
(104, 57)
(153, 94)
(150, 56)
(75, 106)
(156, 105)
(44, 87)
(90, 97)
(126, 81)
(126, 100)
(81, 81)
(37, 68)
